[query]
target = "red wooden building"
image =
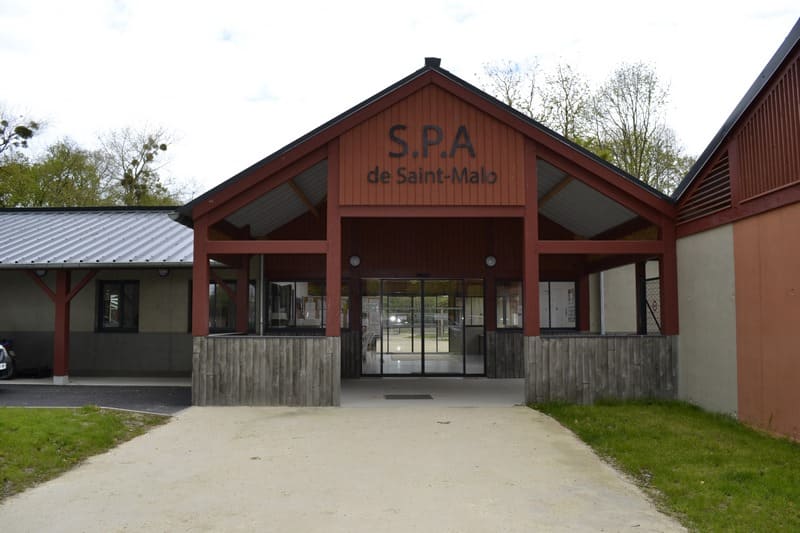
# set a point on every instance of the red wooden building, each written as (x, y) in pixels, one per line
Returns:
(430, 230)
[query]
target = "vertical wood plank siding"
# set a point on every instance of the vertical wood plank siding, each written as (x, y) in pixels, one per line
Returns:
(769, 152)
(497, 147)
(505, 356)
(234, 370)
(585, 368)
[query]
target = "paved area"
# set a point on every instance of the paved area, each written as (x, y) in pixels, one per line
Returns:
(342, 469)
(443, 392)
(151, 399)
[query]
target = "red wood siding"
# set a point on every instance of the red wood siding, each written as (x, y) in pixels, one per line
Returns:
(757, 167)
(768, 140)
(710, 193)
(767, 308)
(497, 147)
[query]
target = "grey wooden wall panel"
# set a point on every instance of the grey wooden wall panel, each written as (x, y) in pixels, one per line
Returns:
(237, 370)
(586, 368)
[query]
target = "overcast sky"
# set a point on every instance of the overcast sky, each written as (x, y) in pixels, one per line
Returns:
(235, 81)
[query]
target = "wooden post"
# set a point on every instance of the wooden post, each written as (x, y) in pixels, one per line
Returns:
(200, 278)
(61, 333)
(641, 298)
(584, 304)
(333, 263)
(243, 295)
(530, 275)
(668, 274)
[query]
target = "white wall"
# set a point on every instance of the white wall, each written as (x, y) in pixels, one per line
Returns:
(707, 319)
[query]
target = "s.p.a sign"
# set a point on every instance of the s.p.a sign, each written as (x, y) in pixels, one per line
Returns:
(431, 149)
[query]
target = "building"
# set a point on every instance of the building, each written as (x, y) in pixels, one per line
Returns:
(432, 230)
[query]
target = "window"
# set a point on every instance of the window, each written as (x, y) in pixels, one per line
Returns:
(222, 307)
(557, 304)
(302, 304)
(509, 304)
(118, 306)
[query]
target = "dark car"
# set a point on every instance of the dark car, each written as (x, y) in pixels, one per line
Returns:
(6, 364)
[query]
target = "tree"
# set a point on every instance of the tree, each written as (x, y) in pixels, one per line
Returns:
(130, 165)
(64, 176)
(514, 84)
(622, 122)
(15, 132)
(630, 124)
(566, 103)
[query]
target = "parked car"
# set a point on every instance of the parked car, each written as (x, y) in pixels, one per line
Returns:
(6, 364)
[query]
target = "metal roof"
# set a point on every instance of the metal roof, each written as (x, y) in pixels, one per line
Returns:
(773, 66)
(93, 238)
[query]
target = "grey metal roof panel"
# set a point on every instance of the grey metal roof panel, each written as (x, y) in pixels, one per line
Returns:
(93, 238)
(282, 205)
(584, 211)
(773, 66)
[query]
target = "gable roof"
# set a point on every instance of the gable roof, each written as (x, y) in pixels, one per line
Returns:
(108, 237)
(432, 65)
(773, 66)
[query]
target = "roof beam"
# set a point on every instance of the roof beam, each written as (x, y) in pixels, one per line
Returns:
(601, 247)
(303, 198)
(560, 186)
(255, 247)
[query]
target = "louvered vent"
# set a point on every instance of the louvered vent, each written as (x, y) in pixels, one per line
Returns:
(713, 193)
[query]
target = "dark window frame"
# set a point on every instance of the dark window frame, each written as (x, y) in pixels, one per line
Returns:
(123, 312)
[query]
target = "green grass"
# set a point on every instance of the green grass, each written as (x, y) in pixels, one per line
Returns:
(39, 444)
(710, 471)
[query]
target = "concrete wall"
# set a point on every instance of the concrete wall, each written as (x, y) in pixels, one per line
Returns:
(161, 347)
(620, 299)
(707, 374)
(767, 258)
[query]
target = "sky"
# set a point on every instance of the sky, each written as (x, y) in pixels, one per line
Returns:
(234, 81)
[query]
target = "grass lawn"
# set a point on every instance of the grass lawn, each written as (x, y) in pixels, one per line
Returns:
(39, 444)
(710, 471)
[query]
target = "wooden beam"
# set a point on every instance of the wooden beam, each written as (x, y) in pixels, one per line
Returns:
(200, 277)
(303, 198)
(654, 213)
(81, 284)
(267, 247)
(222, 283)
(560, 186)
(333, 259)
(601, 247)
(42, 285)
(61, 330)
(668, 273)
(584, 303)
(530, 261)
(218, 211)
(431, 212)
(243, 296)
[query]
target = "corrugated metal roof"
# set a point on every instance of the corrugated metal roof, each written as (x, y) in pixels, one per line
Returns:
(92, 238)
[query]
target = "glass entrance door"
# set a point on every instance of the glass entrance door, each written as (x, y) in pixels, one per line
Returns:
(422, 327)
(401, 324)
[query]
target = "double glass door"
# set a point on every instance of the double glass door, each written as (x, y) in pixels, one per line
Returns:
(422, 327)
